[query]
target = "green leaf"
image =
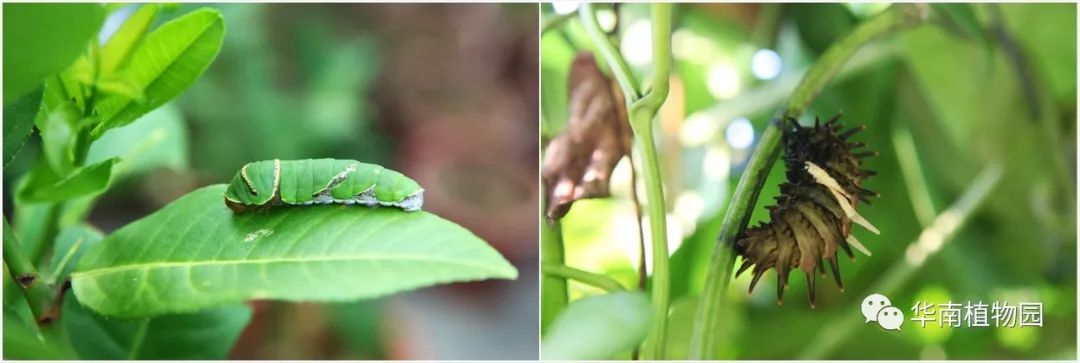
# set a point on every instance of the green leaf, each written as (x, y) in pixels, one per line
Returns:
(22, 342)
(598, 327)
(86, 180)
(31, 219)
(163, 65)
(195, 253)
(56, 126)
(42, 39)
(208, 334)
(19, 122)
(159, 139)
(70, 245)
(120, 86)
(118, 48)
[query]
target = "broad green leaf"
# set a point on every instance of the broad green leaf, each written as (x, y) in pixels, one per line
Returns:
(157, 140)
(195, 253)
(86, 180)
(120, 86)
(207, 334)
(42, 39)
(19, 122)
(21, 341)
(119, 46)
(70, 245)
(598, 327)
(163, 65)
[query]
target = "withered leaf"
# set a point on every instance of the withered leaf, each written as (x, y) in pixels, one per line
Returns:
(579, 161)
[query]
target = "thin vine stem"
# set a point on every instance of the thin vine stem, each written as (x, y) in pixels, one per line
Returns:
(642, 108)
(554, 291)
(589, 278)
(911, 170)
(708, 326)
(642, 113)
(615, 61)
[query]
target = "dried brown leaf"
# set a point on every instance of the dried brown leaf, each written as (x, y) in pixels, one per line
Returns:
(579, 161)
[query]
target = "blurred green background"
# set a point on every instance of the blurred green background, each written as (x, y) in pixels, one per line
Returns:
(443, 93)
(940, 102)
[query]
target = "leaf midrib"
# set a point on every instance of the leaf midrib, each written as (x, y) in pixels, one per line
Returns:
(193, 264)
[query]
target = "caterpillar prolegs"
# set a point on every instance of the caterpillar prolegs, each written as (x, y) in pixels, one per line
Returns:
(270, 183)
(815, 210)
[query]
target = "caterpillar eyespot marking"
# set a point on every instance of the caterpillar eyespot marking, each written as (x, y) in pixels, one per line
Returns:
(815, 210)
(271, 183)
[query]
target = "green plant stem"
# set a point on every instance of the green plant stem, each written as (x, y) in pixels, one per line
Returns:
(642, 113)
(619, 68)
(911, 170)
(643, 276)
(555, 294)
(930, 241)
(707, 330)
(592, 279)
(49, 232)
(642, 109)
(708, 327)
(38, 292)
(661, 47)
(645, 149)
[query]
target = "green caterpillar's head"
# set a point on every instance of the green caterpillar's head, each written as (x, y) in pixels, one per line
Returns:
(256, 184)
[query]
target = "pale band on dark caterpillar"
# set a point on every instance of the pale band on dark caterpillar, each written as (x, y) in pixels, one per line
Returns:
(815, 210)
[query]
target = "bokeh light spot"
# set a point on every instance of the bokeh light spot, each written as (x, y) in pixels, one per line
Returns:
(723, 80)
(740, 133)
(765, 64)
(565, 7)
(637, 43)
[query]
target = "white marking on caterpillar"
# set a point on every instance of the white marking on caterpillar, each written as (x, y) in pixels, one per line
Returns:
(258, 234)
(336, 180)
(244, 177)
(410, 203)
(367, 197)
(277, 176)
(822, 177)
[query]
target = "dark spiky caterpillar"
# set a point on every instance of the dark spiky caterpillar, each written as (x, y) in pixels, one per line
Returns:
(816, 207)
(269, 183)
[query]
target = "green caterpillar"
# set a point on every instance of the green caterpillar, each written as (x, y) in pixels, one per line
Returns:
(270, 183)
